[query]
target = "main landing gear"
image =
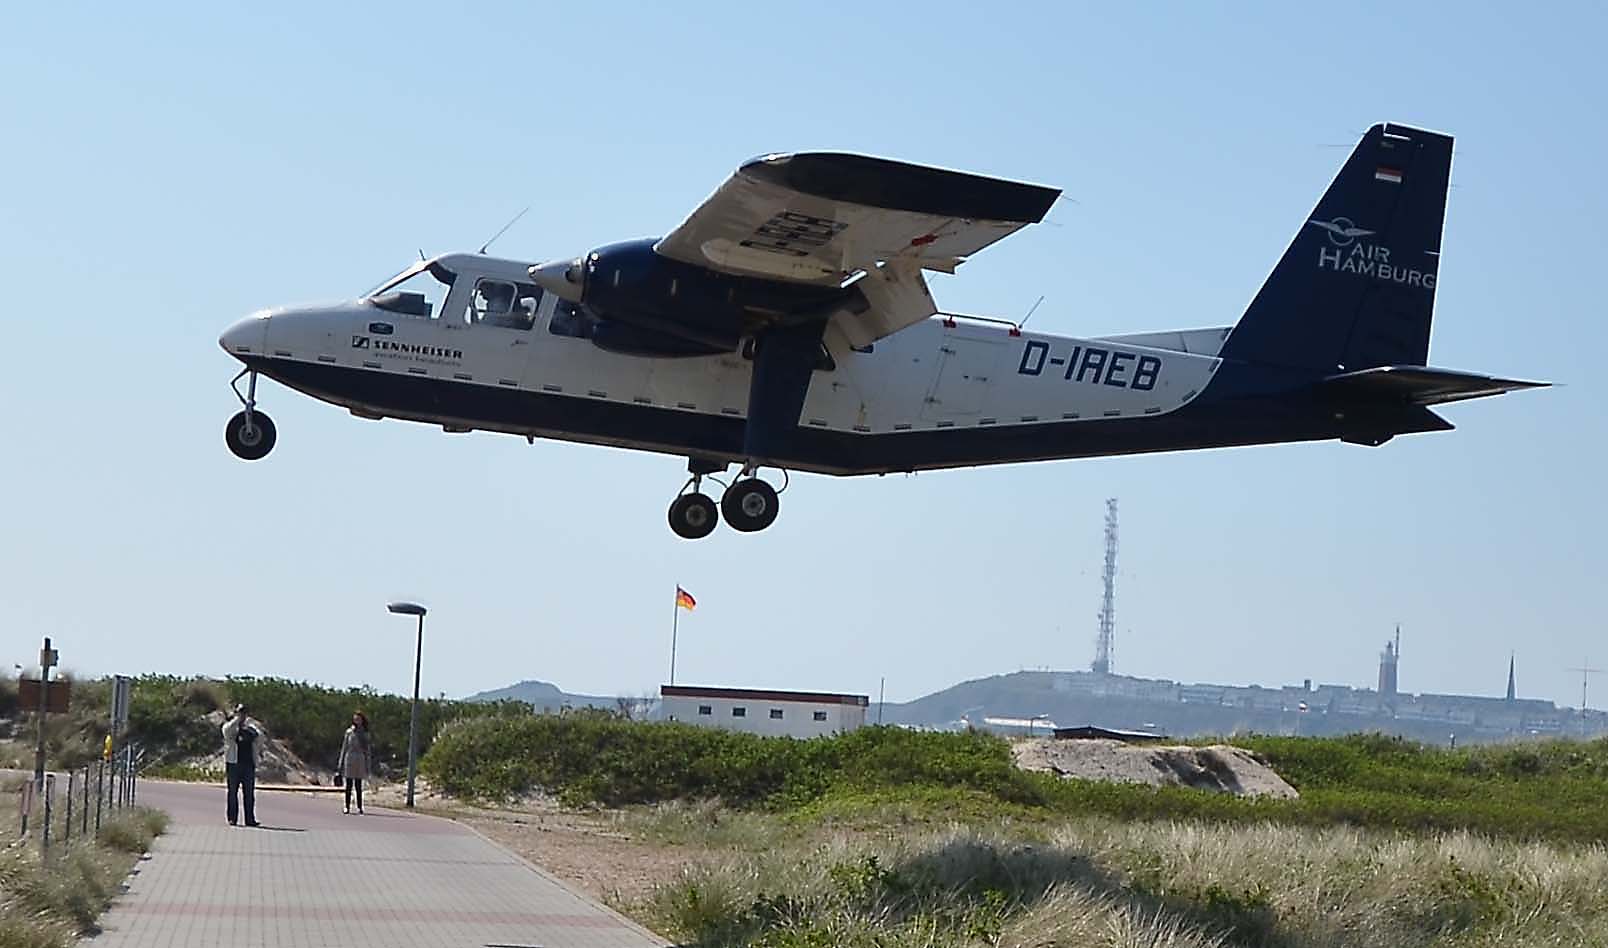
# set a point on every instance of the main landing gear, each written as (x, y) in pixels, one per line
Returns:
(749, 504)
(250, 433)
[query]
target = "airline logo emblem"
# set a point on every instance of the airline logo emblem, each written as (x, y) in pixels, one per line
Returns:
(1342, 231)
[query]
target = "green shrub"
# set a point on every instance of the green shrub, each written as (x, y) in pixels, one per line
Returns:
(596, 757)
(1549, 790)
(311, 719)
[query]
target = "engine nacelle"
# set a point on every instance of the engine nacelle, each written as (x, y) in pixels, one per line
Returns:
(629, 283)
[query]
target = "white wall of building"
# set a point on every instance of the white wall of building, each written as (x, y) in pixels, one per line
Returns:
(767, 716)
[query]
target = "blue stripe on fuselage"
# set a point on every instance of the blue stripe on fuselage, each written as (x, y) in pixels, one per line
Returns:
(1232, 411)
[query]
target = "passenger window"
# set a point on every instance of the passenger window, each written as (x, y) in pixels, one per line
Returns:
(572, 320)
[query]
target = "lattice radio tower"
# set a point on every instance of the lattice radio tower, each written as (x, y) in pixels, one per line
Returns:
(1108, 612)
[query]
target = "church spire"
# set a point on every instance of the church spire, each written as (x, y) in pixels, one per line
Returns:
(1510, 691)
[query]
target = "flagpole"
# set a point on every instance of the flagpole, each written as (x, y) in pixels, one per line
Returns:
(675, 624)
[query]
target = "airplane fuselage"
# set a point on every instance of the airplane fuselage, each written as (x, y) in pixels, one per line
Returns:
(945, 392)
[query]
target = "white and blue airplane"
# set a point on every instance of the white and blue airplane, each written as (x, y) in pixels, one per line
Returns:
(786, 325)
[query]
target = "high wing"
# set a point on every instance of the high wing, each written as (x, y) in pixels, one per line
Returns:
(821, 218)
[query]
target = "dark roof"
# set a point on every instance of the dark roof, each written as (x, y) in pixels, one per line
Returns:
(752, 694)
(1089, 732)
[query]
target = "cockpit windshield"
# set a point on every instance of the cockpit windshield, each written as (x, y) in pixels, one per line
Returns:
(417, 291)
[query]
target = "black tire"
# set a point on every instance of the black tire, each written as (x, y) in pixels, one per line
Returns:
(250, 441)
(750, 505)
(693, 516)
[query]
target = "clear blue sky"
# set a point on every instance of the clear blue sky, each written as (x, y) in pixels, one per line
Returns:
(165, 174)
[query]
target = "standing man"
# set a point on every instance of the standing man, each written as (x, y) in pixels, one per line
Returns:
(242, 749)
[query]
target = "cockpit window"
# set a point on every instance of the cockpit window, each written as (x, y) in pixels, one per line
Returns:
(417, 291)
(503, 304)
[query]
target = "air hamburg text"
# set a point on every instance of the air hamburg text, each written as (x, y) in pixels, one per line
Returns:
(1372, 260)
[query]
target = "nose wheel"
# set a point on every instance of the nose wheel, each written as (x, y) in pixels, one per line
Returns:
(250, 434)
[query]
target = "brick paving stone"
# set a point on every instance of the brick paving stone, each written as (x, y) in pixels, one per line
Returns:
(311, 876)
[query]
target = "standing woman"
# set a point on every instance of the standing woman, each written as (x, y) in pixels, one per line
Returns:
(357, 758)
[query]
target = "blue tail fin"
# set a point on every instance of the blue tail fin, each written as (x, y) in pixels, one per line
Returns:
(1356, 288)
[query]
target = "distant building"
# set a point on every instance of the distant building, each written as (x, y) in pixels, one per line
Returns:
(1041, 725)
(771, 713)
(1389, 659)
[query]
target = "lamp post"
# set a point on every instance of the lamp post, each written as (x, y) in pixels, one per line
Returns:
(413, 609)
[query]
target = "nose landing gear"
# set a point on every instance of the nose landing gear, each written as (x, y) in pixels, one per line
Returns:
(250, 434)
(749, 504)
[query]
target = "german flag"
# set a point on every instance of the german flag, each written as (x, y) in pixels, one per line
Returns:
(684, 599)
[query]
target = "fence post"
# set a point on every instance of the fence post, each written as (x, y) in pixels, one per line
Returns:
(67, 827)
(134, 776)
(100, 793)
(50, 792)
(83, 829)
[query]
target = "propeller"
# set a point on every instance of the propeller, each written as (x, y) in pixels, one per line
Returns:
(564, 278)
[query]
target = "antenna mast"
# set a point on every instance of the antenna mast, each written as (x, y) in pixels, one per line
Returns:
(1108, 611)
(1586, 671)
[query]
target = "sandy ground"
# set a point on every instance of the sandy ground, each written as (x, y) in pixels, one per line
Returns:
(1218, 767)
(583, 849)
(279, 764)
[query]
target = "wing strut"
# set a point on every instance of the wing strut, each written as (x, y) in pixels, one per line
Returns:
(784, 358)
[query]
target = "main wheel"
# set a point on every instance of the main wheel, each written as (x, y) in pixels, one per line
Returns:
(749, 505)
(250, 438)
(693, 516)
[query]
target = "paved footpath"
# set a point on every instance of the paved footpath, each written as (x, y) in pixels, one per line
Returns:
(311, 876)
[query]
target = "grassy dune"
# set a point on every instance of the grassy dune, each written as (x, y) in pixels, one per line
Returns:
(50, 904)
(889, 838)
(1549, 790)
(1103, 882)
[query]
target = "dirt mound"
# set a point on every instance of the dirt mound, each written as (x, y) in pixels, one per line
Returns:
(279, 763)
(1217, 767)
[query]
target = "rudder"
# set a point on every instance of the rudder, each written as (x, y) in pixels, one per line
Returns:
(1356, 287)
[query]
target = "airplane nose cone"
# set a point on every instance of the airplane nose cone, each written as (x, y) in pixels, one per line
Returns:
(563, 278)
(246, 337)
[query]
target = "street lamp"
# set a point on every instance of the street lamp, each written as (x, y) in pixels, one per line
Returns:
(412, 609)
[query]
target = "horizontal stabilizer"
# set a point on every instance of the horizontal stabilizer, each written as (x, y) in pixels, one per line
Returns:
(1420, 385)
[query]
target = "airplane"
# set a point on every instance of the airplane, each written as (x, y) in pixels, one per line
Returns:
(786, 325)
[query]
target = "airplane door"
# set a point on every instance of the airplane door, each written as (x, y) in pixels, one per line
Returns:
(495, 330)
(966, 368)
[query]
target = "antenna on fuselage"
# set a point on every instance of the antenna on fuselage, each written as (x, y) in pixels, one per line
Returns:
(1031, 310)
(504, 230)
